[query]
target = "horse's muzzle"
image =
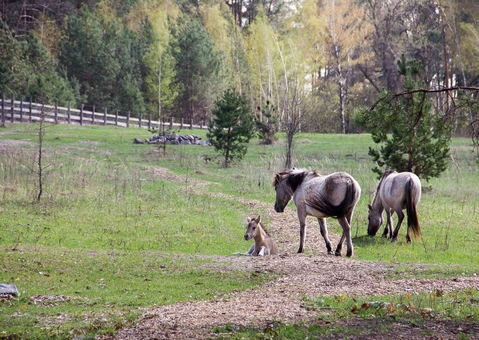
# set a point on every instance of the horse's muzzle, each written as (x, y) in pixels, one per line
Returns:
(278, 209)
(247, 237)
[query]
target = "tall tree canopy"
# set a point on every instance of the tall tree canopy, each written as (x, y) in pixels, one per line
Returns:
(198, 64)
(174, 57)
(27, 68)
(100, 53)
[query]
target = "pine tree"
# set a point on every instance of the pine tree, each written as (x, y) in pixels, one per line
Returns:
(232, 126)
(412, 135)
(197, 68)
(106, 58)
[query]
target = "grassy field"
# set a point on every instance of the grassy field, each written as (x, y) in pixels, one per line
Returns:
(110, 237)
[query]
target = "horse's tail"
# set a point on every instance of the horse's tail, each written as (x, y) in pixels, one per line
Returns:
(411, 202)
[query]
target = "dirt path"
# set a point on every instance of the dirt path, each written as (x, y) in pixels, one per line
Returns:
(282, 300)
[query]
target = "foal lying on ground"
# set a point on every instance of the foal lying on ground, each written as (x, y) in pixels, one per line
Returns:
(263, 243)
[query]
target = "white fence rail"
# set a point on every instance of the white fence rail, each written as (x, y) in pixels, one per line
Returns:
(25, 111)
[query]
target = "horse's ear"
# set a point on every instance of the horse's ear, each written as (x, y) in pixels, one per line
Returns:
(277, 179)
(258, 219)
(370, 207)
(248, 219)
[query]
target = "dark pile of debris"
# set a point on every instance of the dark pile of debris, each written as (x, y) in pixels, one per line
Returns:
(174, 139)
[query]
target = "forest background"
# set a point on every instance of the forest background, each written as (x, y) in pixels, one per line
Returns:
(319, 59)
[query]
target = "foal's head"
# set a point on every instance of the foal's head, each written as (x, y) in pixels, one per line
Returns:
(252, 228)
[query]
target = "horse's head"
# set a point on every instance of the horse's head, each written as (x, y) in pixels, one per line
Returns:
(252, 228)
(375, 220)
(284, 192)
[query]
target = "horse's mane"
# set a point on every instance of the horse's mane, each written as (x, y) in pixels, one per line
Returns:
(381, 179)
(384, 175)
(294, 176)
(266, 231)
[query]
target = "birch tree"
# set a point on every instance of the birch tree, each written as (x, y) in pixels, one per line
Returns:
(345, 32)
(262, 56)
(160, 89)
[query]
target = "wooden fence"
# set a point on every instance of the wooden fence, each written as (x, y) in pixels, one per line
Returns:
(12, 110)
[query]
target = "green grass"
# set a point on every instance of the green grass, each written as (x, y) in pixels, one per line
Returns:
(110, 238)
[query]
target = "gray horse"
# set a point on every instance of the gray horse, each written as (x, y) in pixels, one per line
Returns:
(334, 195)
(395, 192)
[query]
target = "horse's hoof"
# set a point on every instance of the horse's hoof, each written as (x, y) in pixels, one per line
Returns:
(337, 253)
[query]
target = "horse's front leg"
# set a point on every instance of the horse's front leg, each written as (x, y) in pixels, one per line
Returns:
(389, 223)
(250, 250)
(386, 229)
(346, 235)
(324, 232)
(400, 215)
(302, 230)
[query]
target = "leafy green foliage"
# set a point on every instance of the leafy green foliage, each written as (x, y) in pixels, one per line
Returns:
(158, 55)
(232, 126)
(197, 66)
(161, 87)
(102, 56)
(414, 137)
(27, 68)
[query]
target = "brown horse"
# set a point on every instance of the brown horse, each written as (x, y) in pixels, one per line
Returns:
(334, 195)
(395, 192)
(263, 243)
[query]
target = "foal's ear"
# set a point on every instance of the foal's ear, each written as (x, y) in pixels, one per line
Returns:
(258, 219)
(248, 219)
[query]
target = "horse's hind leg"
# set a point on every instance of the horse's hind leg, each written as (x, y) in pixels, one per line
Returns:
(324, 232)
(264, 251)
(340, 245)
(343, 221)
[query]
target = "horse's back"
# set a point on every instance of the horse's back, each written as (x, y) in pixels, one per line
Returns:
(337, 181)
(337, 184)
(395, 186)
(331, 195)
(273, 249)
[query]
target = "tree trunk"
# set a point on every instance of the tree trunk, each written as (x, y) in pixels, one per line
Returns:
(342, 102)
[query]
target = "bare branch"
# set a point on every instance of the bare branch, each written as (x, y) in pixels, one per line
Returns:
(425, 91)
